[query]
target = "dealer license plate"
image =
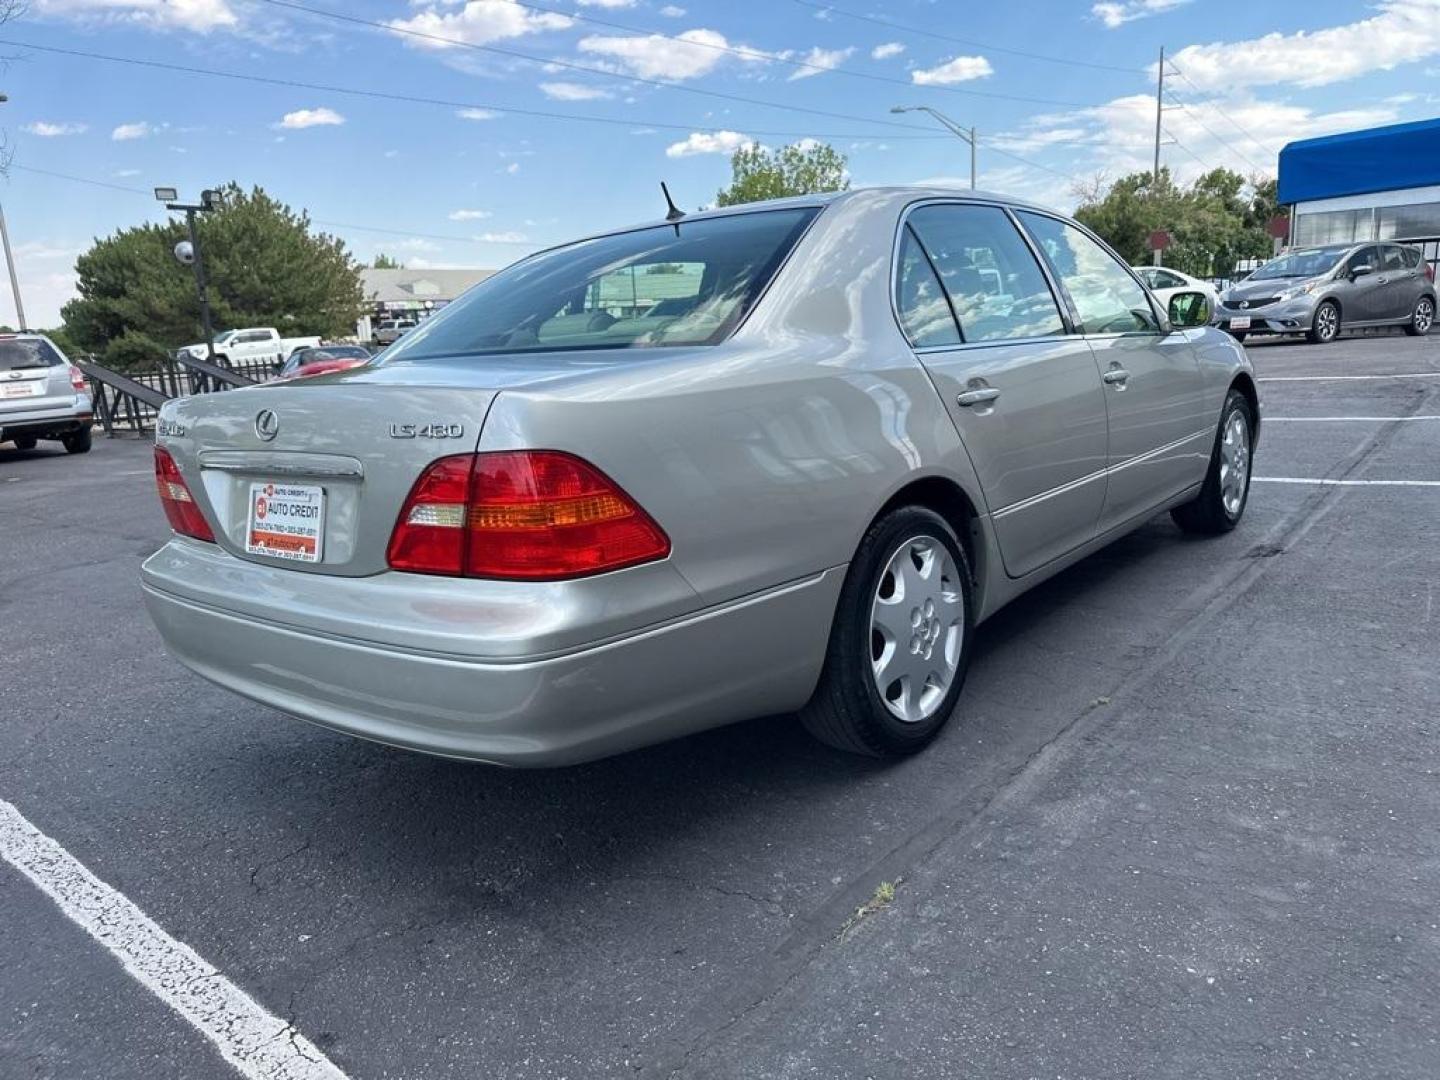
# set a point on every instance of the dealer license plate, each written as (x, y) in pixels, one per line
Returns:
(286, 521)
(1240, 322)
(20, 389)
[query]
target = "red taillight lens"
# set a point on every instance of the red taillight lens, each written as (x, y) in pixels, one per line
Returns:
(1430, 271)
(535, 515)
(77, 380)
(180, 509)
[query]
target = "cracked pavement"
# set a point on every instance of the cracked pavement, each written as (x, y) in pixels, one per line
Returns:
(1182, 825)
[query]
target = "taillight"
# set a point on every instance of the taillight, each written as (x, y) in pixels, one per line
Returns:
(1430, 271)
(77, 380)
(180, 509)
(534, 515)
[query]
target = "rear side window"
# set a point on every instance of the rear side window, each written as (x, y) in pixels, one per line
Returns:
(1394, 258)
(689, 283)
(17, 353)
(1107, 299)
(993, 281)
(1412, 257)
(925, 314)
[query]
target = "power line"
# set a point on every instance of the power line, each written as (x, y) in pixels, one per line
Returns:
(413, 99)
(1217, 136)
(1263, 146)
(666, 83)
(1198, 159)
(935, 35)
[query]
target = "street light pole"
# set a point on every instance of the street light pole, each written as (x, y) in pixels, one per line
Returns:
(955, 129)
(9, 257)
(209, 200)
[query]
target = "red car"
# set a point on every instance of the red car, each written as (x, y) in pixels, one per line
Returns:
(322, 359)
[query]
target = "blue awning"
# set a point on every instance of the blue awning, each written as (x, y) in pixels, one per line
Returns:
(1359, 162)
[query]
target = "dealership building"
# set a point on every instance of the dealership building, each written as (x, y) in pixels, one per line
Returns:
(1379, 184)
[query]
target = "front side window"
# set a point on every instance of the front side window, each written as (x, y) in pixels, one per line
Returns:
(924, 312)
(1366, 256)
(1107, 299)
(993, 281)
(689, 283)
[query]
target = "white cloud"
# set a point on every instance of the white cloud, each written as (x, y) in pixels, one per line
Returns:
(125, 132)
(960, 69)
(513, 168)
(306, 118)
(477, 23)
(1116, 14)
(819, 61)
(887, 50)
(606, 3)
(125, 173)
(47, 130)
(685, 56)
(569, 91)
(415, 244)
(671, 11)
(708, 142)
(476, 114)
(509, 236)
(468, 215)
(1404, 31)
(199, 15)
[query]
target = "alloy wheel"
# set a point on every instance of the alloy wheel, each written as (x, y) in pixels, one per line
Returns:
(917, 627)
(1327, 321)
(1424, 315)
(1234, 462)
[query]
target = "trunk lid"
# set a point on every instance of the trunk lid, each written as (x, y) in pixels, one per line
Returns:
(353, 446)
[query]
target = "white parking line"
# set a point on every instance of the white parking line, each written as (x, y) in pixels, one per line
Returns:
(1342, 483)
(1343, 419)
(1349, 378)
(259, 1044)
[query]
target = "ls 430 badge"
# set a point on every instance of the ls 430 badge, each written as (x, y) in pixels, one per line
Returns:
(426, 431)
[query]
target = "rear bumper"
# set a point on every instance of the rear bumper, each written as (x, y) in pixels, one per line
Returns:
(751, 657)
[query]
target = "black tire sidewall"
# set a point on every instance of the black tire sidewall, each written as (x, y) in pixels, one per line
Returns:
(1235, 402)
(849, 659)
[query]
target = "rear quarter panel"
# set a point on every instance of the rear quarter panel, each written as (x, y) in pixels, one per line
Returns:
(765, 458)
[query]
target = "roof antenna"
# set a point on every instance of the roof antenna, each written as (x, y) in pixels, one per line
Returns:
(674, 213)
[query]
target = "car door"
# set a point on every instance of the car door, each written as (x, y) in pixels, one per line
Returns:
(1024, 393)
(1160, 430)
(1362, 295)
(1399, 292)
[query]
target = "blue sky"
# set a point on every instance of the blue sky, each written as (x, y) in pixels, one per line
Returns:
(467, 181)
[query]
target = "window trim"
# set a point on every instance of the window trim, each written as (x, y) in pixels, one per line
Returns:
(1162, 317)
(903, 222)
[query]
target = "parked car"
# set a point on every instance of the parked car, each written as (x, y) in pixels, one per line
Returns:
(322, 359)
(255, 343)
(535, 533)
(42, 395)
(392, 330)
(1165, 283)
(1318, 290)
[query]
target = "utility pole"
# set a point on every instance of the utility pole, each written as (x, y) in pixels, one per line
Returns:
(1159, 110)
(10, 258)
(954, 128)
(209, 200)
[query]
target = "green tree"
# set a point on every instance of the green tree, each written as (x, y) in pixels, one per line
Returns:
(385, 262)
(1215, 221)
(802, 168)
(265, 268)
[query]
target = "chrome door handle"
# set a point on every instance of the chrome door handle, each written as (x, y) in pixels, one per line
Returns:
(977, 397)
(1116, 375)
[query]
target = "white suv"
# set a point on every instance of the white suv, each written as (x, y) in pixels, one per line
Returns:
(42, 395)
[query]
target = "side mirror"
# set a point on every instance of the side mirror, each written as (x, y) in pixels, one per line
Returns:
(1187, 309)
(1361, 270)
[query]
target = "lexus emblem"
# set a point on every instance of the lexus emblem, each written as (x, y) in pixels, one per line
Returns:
(267, 424)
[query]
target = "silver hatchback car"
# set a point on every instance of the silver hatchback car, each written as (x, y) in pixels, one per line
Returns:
(1316, 291)
(42, 395)
(773, 458)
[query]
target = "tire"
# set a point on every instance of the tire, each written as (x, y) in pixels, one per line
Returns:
(848, 710)
(77, 442)
(24, 442)
(1324, 324)
(1422, 318)
(1219, 507)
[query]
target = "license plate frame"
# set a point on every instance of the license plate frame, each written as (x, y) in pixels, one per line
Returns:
(16, 390)
(1240, 322)
(285, 521)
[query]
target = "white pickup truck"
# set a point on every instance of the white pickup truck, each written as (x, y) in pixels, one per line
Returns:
(252, 343)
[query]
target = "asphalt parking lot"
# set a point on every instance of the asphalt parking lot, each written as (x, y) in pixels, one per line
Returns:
(1183, 826)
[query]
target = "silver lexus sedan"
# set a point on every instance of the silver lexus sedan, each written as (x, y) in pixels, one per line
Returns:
(766, 459)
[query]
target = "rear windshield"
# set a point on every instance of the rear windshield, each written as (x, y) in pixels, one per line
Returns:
(18, 353)
(689, 283)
